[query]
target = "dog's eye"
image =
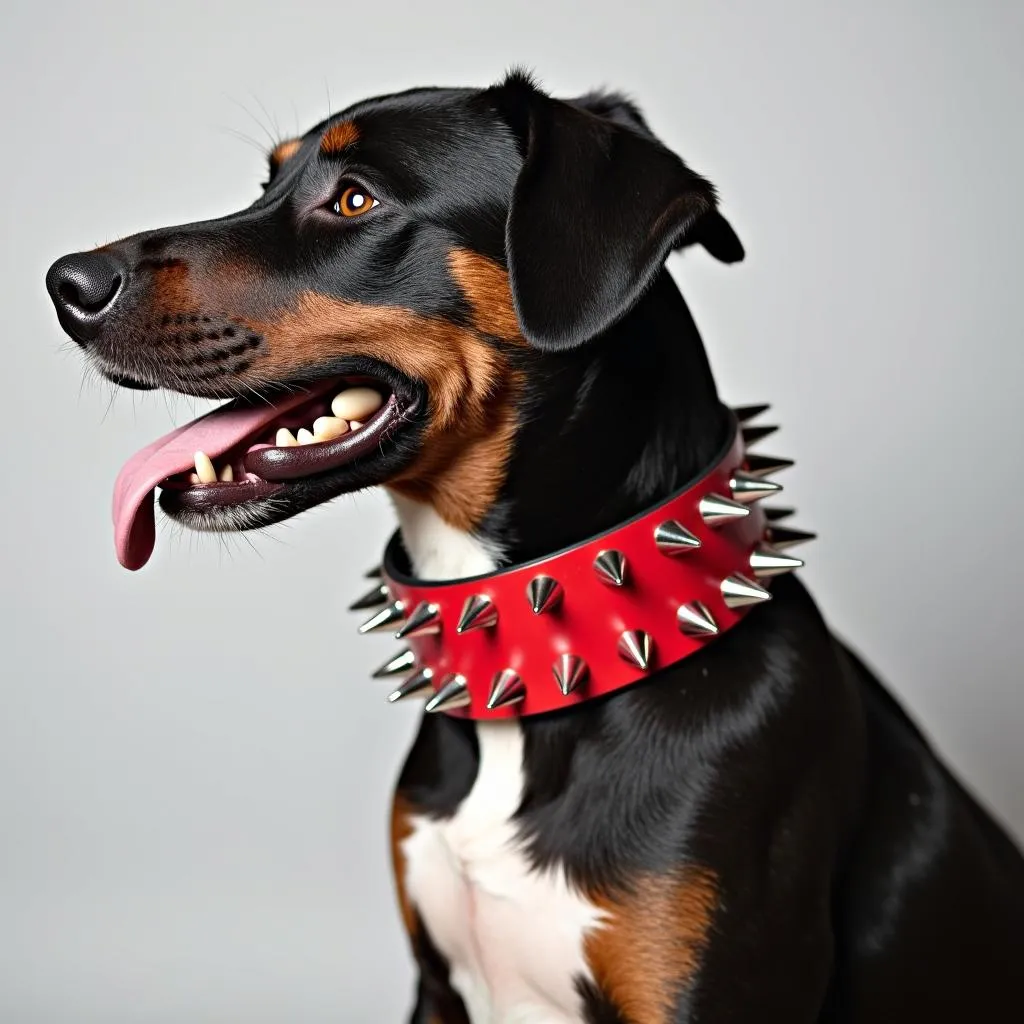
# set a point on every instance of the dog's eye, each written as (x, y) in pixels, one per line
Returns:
(354, 201)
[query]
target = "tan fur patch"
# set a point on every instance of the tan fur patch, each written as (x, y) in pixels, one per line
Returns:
(650, 949)
(485, 285)
(401, 829)
(338, 136)
(471, 389)
(284, 151)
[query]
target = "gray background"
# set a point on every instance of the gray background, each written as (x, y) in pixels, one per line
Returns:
(194, 768)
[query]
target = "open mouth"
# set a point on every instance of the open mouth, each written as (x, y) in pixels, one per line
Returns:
(251, 463)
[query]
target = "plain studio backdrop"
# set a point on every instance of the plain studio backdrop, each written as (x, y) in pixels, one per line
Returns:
(194, 765)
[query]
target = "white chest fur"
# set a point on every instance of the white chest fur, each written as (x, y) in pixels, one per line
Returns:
(513, 936)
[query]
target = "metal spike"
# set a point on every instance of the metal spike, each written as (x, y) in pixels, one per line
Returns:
(768, 561)
(765, 465)
(717, 511)
(544, 593)
(636, 647)
(452, 693)
(375, 573)
(785, 537)
(751, 435)
(775, 515)
(506, 689)
(425, 618)
(747, 489)
(610, 566)
(570, 671)
(416, 683)
(694, 619)
(674, 539)
(745, 413)
(384, 619)
(738, 592)
(479, 612)
(372, 598)
(401, 662)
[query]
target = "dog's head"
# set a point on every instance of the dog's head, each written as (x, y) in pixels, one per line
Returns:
(412, 267)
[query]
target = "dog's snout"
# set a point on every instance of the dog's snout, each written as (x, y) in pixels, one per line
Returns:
(84, 288)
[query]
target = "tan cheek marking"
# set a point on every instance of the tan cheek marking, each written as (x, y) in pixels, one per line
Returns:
(338, 136)
(650, 948)
(401, 829)
(485, 285)
(472, 390)
(285, 151)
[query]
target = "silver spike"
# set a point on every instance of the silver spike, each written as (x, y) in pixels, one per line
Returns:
(694, 619)
(416, 683)
(747, 488)
(384, 619)
(636, 647)
(372, 598)
(506, 689)
(479, 612)
(424, 619)
(375, 573)
(751, 435)
(785, 537)
(610, 566)
(717, 511)
(570, 671)
(744, 413)
(674, 539)
(401, 662)
(452, 693)
(776, 515)
(738, 592)
(768, 561)
(766, 465)
(544, 593)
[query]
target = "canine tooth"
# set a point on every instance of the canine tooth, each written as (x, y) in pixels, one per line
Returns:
(227, 475)
(304, 436)
(204, 469)
(356, 403)
(326, 428)
(285, 438)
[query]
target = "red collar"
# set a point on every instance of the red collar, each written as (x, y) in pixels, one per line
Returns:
(599, 616)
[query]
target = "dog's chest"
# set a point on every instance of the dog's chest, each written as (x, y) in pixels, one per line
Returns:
(514, 937)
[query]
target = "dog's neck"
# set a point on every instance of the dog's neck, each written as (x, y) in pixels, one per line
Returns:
(606, 430)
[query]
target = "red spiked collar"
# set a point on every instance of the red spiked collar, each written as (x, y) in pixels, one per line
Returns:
(598, 616)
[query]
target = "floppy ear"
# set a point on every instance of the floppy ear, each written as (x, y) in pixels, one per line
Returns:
(596, 208)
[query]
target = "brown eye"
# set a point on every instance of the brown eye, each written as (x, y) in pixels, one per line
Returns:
(354, 201)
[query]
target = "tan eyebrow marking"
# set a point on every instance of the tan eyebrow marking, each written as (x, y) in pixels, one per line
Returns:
(340, 135)
(284, 151)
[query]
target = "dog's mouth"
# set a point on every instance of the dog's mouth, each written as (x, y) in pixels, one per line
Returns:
(251, 463)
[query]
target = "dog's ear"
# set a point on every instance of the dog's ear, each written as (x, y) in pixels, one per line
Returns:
(597, 206)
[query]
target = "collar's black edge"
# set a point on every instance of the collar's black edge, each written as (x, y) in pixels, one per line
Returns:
(395, 550)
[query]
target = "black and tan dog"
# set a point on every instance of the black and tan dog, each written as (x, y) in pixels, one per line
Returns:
(757, 833)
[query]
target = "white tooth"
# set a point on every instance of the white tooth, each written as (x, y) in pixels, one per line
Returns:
(304, 436)
(227, 475)
(285, 438)
(193, 478)
(354, 425)
(204, 468)
(356, 404)
(325, 428)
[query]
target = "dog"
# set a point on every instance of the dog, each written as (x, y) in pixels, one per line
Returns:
(756, 832)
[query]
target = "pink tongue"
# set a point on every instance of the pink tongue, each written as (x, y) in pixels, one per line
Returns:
(215, 433)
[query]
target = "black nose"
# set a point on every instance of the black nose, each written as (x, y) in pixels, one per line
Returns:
(84, 288)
